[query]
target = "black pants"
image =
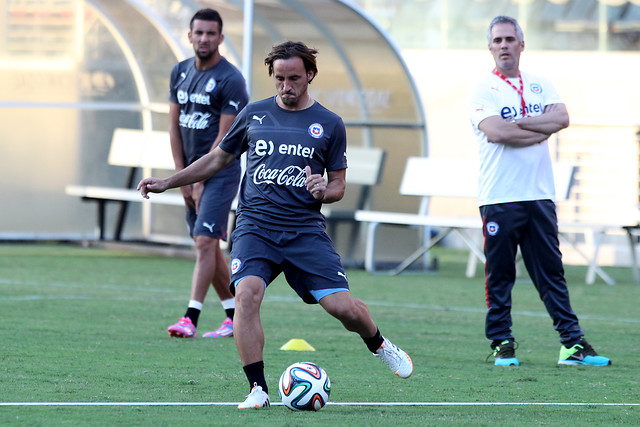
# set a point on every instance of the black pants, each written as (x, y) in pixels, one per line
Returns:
(533, 226)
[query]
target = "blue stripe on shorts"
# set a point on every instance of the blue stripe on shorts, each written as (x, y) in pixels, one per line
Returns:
(318, 294)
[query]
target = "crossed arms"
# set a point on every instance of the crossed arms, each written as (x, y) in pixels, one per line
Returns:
(528, 130)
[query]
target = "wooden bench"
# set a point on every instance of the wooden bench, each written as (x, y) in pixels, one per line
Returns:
(426, 178)
(134, 149)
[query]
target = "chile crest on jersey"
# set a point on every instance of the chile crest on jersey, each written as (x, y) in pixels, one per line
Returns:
(316, 130)
(211, 85)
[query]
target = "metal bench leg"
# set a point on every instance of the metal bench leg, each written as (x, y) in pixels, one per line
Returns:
(475, 253)
(122, 216)
(370, 248)
(101, 213)
(421, 251)
(634, 259)
(592, 261)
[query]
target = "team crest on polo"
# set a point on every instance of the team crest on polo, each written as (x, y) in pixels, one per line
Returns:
(235, 265)
(492, 228)
(211, 85)
(316, 130)
(535, 88)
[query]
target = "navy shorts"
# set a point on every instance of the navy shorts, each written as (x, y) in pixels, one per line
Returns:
(213, 217)
(308, 259)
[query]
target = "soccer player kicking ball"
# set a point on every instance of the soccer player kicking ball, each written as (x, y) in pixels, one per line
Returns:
(290, 141)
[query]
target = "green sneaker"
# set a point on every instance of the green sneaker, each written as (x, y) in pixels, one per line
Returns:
(581, 354)
(505, 353)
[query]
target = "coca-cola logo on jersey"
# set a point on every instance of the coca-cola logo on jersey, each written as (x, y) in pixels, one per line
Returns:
(197, 120)
(291, 176)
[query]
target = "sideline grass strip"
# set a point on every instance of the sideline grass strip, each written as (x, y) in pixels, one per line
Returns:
(89, 326)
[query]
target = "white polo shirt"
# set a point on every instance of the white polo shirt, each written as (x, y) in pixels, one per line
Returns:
(512, 174)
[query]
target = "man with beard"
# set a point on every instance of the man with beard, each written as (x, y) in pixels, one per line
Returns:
(206, 93)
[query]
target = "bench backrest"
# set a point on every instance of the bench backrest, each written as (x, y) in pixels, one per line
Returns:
(446, 177)
(365, 165)
(137, 148)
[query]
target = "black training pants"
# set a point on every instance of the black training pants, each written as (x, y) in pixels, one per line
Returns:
(533, 226)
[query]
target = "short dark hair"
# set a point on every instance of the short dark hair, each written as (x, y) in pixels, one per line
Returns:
(207, 15)
(289, 49)
(506, 20)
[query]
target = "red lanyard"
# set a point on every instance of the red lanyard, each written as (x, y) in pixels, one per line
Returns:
(520, 91)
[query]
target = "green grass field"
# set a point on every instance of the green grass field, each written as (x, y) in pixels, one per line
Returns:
(89, 325)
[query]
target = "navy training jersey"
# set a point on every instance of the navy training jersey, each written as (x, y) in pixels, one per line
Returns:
(203, 96)
(279, 144)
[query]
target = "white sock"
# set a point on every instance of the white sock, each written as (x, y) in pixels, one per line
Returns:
(228, 303)
(195, 304)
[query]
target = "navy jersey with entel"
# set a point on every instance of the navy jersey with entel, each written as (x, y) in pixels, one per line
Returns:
(203, 96)
(279, 144)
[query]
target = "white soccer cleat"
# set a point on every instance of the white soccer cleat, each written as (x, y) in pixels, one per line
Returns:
(396, 359)
(257, 399)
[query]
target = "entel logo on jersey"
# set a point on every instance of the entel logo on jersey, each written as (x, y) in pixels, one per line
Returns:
(182, 96)
(492, 228)
(508, 113)
(316, 130)
(196, 98)
(264, 148)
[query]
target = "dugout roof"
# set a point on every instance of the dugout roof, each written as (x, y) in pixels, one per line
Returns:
(362, 76)
(72, 71)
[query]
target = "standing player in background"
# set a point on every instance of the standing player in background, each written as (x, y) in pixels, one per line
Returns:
(290, 141)
(513, 115)
(206, 94)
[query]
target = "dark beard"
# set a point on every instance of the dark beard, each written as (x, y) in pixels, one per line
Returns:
(204, 57)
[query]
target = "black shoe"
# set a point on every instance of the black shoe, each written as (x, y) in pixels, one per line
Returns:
(505, 353)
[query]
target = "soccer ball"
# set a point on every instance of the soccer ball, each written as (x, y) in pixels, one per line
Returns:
(304, 386)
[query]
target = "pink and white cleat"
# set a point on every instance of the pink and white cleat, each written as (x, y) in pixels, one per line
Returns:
(183, 329)
(225, 330)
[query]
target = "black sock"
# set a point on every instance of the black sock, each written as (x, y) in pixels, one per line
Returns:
(374, 342)
(255, 375)
(230, 312)
(193, 314)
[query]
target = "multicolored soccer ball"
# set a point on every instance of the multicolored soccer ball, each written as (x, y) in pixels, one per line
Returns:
(304, 386)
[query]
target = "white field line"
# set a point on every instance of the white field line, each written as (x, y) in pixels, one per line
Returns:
(329, 403)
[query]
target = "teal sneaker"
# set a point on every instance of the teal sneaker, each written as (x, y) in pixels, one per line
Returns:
(505, 353)
(581, 354)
